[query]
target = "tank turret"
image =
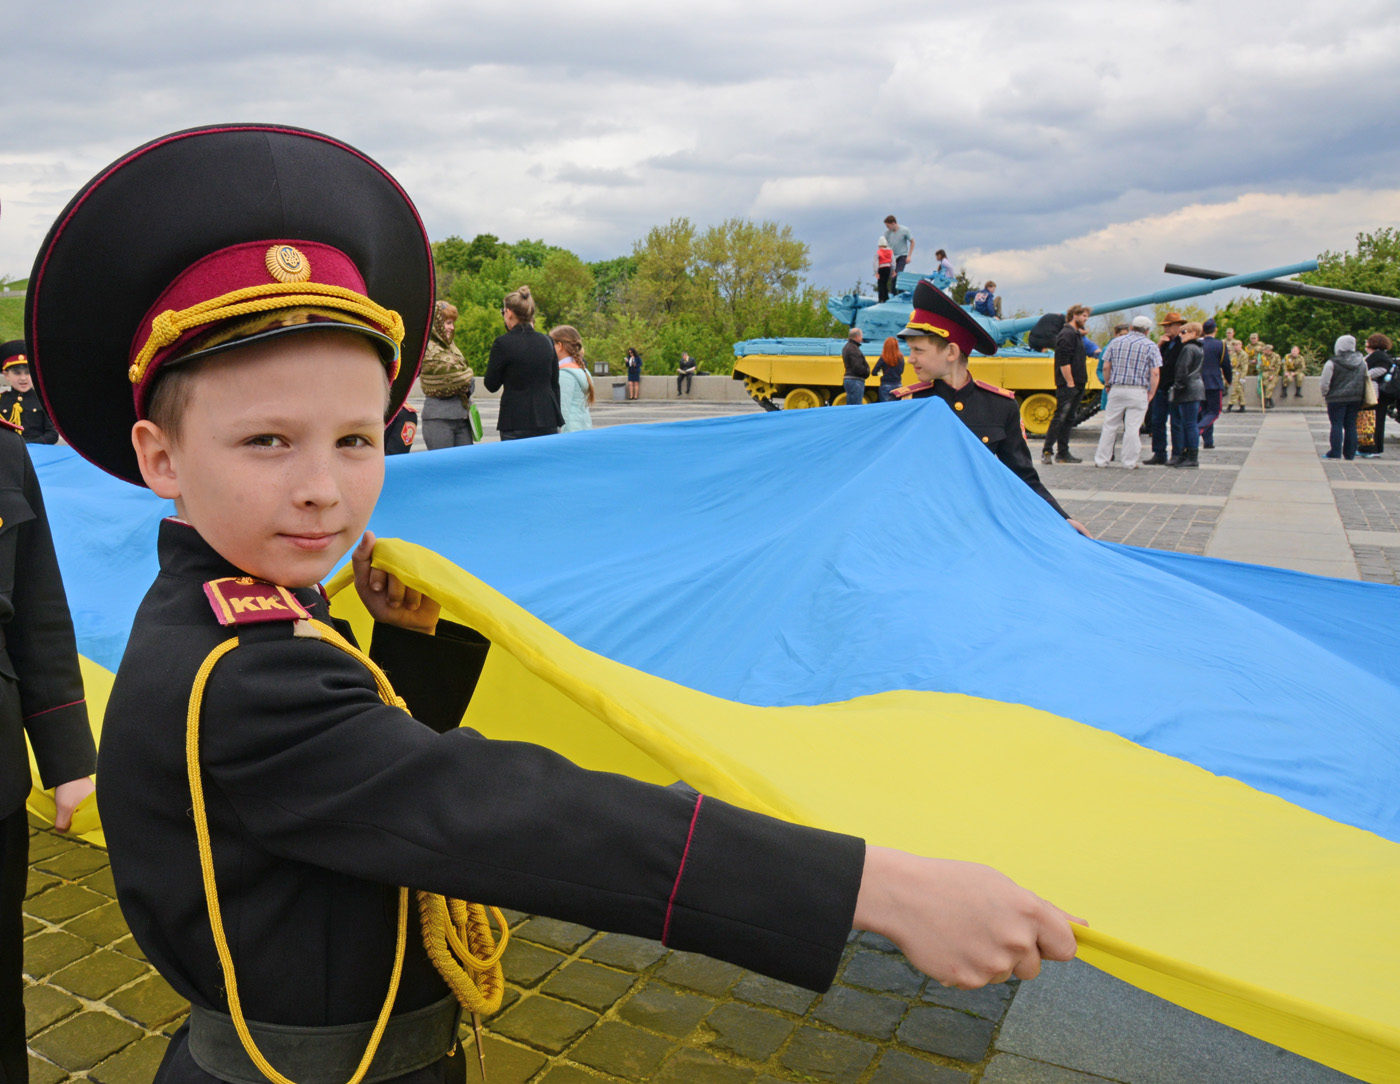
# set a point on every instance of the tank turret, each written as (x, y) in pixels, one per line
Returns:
(808, 372)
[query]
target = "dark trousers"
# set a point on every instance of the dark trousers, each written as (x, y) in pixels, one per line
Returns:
(446, 432)
(1159, 412)
(899, 262)
(689, 379)
(882, 286)
(520, 434)
(14, 871)
(1063, 421)
(1382, 409)
(1184, 420)
(1210, 411)
(1342, 439)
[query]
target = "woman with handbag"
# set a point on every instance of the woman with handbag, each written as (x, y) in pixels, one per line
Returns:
(1382, 369)
(1344, 385)
(447, 382)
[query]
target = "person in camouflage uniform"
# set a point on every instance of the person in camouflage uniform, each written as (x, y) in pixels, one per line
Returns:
(1270, 365)
(447, 382)
(1295, 366)
(1242, 364)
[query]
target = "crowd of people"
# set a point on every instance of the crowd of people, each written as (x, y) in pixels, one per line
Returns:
(1179, 381)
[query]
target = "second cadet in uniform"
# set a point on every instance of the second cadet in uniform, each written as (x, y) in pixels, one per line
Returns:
(20, 405)
(941, 335)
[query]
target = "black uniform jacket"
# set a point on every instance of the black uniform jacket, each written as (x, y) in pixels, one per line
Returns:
(995, 419)
(41, 689)
(31, 417)
(321, 800)
(523, 360)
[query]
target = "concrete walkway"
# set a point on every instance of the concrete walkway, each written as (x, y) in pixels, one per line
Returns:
(1281, 511)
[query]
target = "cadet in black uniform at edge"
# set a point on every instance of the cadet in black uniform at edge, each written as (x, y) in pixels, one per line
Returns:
(41, 696)
(20, 404)
(941, 335)
(237, 365)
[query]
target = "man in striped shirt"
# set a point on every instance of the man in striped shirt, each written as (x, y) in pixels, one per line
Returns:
(1131, 365)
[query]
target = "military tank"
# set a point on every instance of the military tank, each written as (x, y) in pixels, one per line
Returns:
(807, 372)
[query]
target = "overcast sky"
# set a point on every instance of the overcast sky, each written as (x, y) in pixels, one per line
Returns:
(1067, 150)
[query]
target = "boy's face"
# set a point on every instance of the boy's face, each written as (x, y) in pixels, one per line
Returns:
(281, 453)
(17, 376)
(932, 358)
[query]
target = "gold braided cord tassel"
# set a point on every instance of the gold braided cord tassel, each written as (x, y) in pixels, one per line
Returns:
(461, 945)
(16, 412)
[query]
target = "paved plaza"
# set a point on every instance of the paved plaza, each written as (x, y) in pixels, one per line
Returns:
(588, 1008)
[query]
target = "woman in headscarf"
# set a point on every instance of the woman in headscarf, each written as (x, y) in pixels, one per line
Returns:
(575, 385)
(447, 384)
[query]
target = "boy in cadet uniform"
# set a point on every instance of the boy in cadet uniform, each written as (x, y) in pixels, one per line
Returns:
(41, 697)
(941, 334)
(20, 404)
(258, 337)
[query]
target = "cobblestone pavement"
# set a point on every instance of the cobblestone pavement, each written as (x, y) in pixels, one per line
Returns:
(585, 1008)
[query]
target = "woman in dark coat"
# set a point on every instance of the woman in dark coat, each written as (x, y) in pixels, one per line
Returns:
(522, 360)
(1187, 393)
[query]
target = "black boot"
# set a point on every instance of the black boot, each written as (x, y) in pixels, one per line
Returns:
(1243, 408)
(1177, 460)
(1159, 459)
(1297, 393)
(1269, 404)
(1192, 459)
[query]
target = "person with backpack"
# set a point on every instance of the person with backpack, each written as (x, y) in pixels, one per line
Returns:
(1343, 388)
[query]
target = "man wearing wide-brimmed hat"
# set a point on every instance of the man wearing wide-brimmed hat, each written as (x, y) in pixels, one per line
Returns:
(1170, 346)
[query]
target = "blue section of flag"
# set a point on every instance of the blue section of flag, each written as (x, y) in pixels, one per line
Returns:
(816, 556)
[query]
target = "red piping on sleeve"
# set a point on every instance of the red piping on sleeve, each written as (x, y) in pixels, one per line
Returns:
(670, 904)
(60, 707)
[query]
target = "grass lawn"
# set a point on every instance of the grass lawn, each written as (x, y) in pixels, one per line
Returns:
(11, 318)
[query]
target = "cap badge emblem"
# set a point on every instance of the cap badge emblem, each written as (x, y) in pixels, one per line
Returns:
(287, 264)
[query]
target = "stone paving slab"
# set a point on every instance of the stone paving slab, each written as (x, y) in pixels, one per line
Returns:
(1088, 1021)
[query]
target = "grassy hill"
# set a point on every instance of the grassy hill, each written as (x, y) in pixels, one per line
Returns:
(11, 318)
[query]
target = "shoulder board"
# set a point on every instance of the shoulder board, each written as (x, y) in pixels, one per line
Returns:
(992, 387)
(909, 389)
(242, 600)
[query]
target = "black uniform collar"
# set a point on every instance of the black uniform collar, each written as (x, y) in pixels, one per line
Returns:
(186, 556)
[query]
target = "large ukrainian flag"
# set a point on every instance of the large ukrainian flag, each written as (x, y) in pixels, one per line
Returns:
(860, 620)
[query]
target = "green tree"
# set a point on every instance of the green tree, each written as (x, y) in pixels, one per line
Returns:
(962, 284)
(745, 267)
(477, 329)
(663, 285)
(565, 291)
(1372, 268)
(609, 277)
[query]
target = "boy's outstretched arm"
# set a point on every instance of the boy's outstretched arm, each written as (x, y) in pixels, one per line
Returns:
(961, 923)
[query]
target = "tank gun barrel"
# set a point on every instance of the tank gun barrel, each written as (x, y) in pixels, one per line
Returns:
(1298, 289)
(1006, 329)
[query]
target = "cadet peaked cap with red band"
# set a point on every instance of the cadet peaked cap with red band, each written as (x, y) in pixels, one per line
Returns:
(208, 239)
(936, 314)
(12, 353)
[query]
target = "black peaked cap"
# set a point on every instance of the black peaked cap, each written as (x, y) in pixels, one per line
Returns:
(132, 229)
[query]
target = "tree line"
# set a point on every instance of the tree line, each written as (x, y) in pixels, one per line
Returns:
(681, 288)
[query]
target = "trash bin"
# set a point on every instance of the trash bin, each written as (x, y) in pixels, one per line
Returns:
(619, 391)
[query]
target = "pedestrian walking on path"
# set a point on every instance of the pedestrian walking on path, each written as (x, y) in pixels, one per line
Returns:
(1131, 368)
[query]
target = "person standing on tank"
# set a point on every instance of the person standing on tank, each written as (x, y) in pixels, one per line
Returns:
(1071, 374)
(902, 241)
(522, 361)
